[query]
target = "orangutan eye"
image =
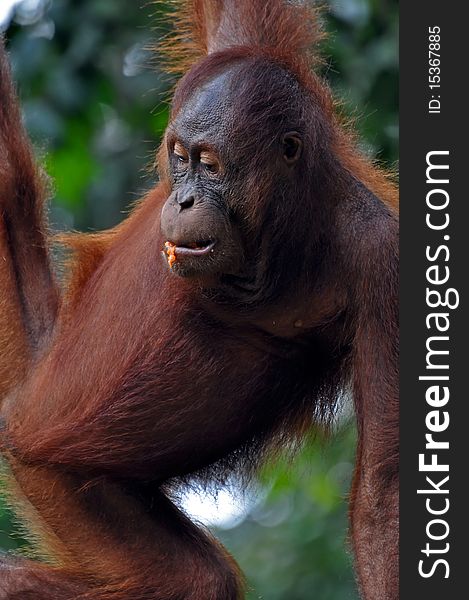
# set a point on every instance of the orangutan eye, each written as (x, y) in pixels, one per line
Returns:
(181, 154)
(210, 167)
(210, 163)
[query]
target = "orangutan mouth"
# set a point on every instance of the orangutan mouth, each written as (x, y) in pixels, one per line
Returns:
(187, 250)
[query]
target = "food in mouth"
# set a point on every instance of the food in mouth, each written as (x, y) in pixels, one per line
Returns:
(190, 250)
(170, 250)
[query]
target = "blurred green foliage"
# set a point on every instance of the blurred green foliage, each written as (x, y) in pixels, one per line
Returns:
(293, 546)
(96, 112)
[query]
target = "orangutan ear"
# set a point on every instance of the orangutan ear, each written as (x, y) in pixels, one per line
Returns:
(292, 147)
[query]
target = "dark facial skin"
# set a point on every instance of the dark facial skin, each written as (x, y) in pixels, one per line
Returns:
(200, 216)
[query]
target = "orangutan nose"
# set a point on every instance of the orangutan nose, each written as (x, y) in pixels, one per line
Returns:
(185, 200)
